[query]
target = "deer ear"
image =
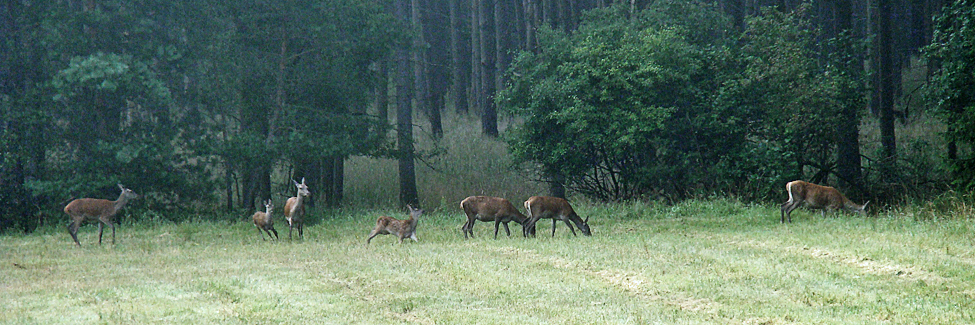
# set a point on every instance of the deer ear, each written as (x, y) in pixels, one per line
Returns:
(302, 180)
(586, 221)
(865, 205)
(120, 186)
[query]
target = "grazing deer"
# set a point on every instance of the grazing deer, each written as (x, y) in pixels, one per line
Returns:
(263, 221)
(400, 228)
(487, 208)
(294, 209)
(817, 197)
(555, 208)
(103, 210)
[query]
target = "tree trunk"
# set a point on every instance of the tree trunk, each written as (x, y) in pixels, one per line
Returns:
(475, 82)
(531, 25)
(438, 45)
(458, 55)
(381, 93)
(419, 53)
(489, 114)
(229, 178)
(888, 85)
(404, 116)
(848, 147)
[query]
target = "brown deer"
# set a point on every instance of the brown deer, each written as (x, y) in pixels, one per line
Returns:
(817, 197)
(294, 209)
(539, 207)
(264, 222)
(487, 208)
(102, 210)
(399, 228)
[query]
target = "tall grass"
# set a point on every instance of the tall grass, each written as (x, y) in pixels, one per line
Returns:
(461, 164)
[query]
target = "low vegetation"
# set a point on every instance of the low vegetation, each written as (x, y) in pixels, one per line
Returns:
(700, 261)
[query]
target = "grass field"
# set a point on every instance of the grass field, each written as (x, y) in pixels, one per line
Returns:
(714, 261)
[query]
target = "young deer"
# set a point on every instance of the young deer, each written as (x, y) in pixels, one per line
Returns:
(817, 197)
(294, 209)
(263, 221)
(540, 207)
(487, 208)
(103, 210)
(400, 228)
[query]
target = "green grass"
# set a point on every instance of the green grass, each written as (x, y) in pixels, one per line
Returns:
(699, 262)
(460, 164)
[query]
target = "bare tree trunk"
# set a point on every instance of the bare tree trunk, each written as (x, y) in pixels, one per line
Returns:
(419, 52)
(888, 85)
(437, 70)
(531, 26)
(489, 115)
(381, 93)
(404, 116)
(458, 55)
(848, 147)
(475, 82)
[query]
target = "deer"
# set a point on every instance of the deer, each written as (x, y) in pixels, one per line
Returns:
(817, 197)
(294, 209)
(555, 208)
(488, 208)
(263, 221)
(399, 228)
(103, 210)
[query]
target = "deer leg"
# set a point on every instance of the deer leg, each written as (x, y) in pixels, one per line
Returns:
(112, 225)
(275, 234)
(497, 224)
(372, 234)
(469, 227)
(553, 226)
(506, 230)
(100, 227)
(782, 211)
(301, 230)
(73, 230)
(526, 227)
(568, 224)
(787, 209)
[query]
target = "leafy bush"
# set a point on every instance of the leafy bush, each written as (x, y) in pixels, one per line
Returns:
(952, 87)
(633, 104)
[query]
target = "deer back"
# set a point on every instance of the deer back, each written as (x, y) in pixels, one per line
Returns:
(547, 207)
(486, 208)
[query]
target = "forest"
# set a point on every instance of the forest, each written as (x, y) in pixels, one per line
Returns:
(206, 106)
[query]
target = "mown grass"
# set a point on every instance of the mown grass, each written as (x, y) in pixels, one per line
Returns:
(698, 262)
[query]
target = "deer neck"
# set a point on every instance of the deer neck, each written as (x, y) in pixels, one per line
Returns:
(122, 200)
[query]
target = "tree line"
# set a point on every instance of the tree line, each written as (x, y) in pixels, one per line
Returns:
(199, 101)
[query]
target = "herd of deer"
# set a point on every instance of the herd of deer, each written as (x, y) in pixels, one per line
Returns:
(483, 208)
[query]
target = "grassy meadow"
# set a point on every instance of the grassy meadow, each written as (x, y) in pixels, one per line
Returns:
(708, 262)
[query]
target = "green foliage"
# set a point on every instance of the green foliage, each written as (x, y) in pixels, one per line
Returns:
(605, 106)
(790, 100)
(117, 123)
(663, 101)
(952, 87)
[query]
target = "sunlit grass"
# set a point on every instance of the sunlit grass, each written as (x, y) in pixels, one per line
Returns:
(713, 261)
